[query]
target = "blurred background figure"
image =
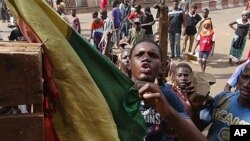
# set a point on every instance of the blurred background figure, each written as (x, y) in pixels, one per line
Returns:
(5, 12)
(147, 23)
(239, 39)
(96, 27)
(75, 22)
(103, 4)
(192, 19)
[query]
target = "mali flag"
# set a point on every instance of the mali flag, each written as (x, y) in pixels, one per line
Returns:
(95, 101)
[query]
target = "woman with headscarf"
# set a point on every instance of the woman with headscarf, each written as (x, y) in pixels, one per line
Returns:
(239, 39)
(206, 41)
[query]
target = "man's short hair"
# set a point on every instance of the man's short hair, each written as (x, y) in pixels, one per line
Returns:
(206, 9)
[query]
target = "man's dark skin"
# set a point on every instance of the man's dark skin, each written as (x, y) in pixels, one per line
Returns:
(145, 59)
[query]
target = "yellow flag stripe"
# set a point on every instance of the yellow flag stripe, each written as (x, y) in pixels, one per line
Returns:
(74, 121)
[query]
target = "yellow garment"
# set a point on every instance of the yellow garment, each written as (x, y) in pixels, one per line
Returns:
(204, 31)
(78, 94)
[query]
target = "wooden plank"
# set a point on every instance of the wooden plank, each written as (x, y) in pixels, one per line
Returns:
(20, 99)
(22, 128)
(38, 108)
(190, 57)
(21, 72)
(19, 50)
(19, 44)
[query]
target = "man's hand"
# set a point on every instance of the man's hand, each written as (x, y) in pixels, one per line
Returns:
(152, 94)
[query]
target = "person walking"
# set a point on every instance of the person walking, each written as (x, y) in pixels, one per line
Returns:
(206, 41)
(117, 18)
(147, 23)
(96, 32)
(239, 39)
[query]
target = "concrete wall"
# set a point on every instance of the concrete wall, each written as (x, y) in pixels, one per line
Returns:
(96, 3)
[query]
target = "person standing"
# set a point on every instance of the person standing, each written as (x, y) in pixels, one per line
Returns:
(239, 39)
(137, 14)
(184, 5)
(103, 4)
(136, 33)
(176, 20)
(108, 32)
(147, 23)
(61, 11)
(125, 22)
(192, 19)
(5, 12)
(75, 22)
(117, 18)
(157, 16)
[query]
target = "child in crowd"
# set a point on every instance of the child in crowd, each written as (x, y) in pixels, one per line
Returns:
(136, 33)
(123, 61)
(206, 41)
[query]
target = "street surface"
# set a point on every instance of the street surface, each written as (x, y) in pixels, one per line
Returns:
(217, 64)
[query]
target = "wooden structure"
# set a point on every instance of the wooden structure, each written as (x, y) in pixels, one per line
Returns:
(163, 32)
(21, 84)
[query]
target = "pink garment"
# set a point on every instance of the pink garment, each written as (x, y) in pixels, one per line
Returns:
(103, 4)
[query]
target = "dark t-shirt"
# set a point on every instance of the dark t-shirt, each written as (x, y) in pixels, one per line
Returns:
(175, 21)
(192, 20)
(152, 117)
(147, 18)
(242, 29)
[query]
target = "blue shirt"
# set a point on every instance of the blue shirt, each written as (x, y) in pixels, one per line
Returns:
(223, 112)
(233, 80)
(117, 17)
(153, 120)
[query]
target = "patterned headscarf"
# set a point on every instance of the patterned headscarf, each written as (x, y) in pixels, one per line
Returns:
(206, 32)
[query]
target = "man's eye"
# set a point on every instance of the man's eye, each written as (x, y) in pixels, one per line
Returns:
(154, 55)
(139, 54)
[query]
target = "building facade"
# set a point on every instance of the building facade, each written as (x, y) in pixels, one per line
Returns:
(95, 3)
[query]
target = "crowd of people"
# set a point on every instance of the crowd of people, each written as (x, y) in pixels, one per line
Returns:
(128, 23)
(173, 110)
